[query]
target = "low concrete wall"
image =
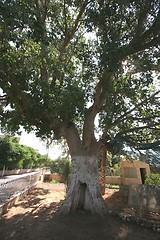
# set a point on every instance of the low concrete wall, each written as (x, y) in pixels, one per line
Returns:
(13, 188)
(113, 180)
(17, 171)
(120, 180)
(129, 181)
(13, 200)
(144, 197)
(22, 171)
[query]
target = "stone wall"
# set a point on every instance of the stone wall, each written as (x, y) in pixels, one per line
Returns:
(114, 180)
(12, 189)
(53, 176)
(121, 180)
(144, 197)
(5, 172)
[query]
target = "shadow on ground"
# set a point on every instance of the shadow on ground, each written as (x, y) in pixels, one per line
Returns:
(118, 199)
(36, 220)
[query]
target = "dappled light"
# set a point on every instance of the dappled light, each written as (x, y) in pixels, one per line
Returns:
(36, 217)
(89, 93)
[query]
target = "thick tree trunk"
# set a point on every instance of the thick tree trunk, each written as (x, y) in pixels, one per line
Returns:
(103, 170)
(84, 190)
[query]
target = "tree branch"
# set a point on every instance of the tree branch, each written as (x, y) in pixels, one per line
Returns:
(143, 118)
(150, 38)
(146, 5)
(124, 116)
(138, 45)
(65, 18)
(137, 146)
(151, 67)
(139, 128)
(70, 133)
(153, 30)
(100, 92)
(41, 18)
(69, 34)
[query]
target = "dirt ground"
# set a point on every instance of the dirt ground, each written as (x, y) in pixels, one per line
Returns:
(35, 218)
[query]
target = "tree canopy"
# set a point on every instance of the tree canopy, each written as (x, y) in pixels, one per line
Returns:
(65, 62)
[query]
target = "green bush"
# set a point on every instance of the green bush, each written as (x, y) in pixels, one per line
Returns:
(63, 167)
(54, 181)
(153, 179)
(13, 155)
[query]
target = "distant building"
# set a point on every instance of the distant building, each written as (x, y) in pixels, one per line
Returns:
(132, 172)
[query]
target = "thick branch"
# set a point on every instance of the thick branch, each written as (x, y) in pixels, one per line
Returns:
(153, 42)
(146, 6)
(153, 30)
(88, 130)
(150, 38)
(135, 129)
(138, 146)
(70, 133)
(144, 146)
(138, 45)
(70, 33)
(150, 67)
(99, 92)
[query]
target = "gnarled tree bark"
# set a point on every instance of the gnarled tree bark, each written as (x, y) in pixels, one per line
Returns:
(84, 191)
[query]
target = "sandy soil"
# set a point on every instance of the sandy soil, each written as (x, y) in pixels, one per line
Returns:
(35, 218)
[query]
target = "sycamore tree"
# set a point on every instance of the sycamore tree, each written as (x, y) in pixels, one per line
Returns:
(84, 71)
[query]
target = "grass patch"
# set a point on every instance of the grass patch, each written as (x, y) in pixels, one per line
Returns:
(116, 186)
(54, 181)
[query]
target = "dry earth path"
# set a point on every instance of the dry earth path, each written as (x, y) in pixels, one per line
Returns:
(35, 218)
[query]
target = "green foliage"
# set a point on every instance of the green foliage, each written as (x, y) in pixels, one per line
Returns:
(153, 179)
(14, 155)
(54, 181)
(51, 70)
(117, 169)
(116, 186)
(63, 167)
(11, 154)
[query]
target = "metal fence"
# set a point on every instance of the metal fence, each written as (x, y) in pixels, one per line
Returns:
(11, 187)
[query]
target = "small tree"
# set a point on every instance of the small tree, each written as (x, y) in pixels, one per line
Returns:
(14, 155)
(11, 153)
(63, 167)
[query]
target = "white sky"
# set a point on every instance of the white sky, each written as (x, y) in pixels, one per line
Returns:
(34, 142)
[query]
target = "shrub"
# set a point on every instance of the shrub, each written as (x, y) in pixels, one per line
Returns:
(62, 167)
(153, 179)
(54, 181)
